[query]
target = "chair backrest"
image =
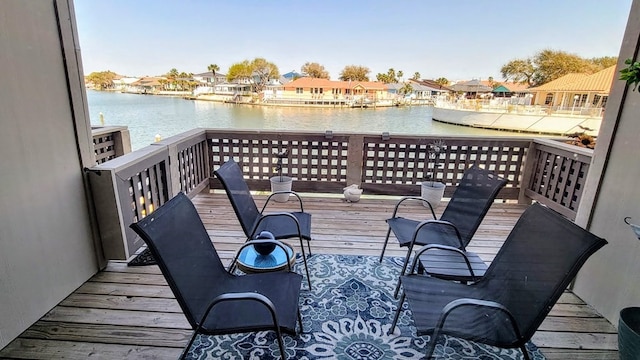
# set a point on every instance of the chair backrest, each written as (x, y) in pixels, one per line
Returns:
(539, 259)
(232, 179)
(471, 200)
(185, 254)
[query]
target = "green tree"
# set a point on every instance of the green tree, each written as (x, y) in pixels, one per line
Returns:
(258, 72)
(548, 65)
(355, 73)
(172, 78)
(314, 70)
(604, 62)
(416, 76)
(406, 89)
(388, 78)
(263, 71)
(551, 65)
(442, 81)
(400, 74)
(102, 79)
(239, 72)
(519, 71)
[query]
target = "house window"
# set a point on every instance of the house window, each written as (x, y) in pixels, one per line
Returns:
(604, 101)
(583, 99)
(320, 90)
(549, 99)
(299, 91)
(347, 91)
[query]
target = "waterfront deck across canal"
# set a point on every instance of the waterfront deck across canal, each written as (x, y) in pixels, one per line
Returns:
(129, 312)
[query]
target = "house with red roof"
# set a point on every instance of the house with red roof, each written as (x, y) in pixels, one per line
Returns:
(320, 90)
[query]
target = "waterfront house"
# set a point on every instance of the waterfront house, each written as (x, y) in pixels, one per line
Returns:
(205, 82)
(50, 244)
(472, 89)
(576, 91)
(509, 89)
(308, 88)
(147, 85)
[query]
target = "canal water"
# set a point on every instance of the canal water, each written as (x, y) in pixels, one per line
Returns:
(147, 116)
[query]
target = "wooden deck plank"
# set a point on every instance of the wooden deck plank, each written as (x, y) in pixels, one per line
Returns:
(128, 312)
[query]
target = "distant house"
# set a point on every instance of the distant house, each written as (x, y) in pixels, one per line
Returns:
(509, 89)
(441, 89)
(147, 85)
(314, 88)
(290, 76)
(576, 90)
(206, 81)
(123, 83)
(472, 88)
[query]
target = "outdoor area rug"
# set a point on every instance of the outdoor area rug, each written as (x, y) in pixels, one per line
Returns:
(347, 316)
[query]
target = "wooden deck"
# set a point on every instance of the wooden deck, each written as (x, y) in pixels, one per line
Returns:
(129, 312)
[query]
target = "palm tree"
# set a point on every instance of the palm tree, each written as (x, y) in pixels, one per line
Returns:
(213, 68)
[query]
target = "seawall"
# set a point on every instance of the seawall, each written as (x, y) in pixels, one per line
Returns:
(535, 124)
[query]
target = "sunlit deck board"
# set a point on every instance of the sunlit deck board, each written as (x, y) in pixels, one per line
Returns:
(129, 312)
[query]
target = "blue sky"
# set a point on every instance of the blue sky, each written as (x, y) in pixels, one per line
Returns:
(455, 39)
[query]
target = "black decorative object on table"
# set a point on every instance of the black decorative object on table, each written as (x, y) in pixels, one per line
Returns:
(267, 248)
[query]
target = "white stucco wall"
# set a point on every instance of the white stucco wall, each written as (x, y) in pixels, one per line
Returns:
(610, 280)
(46, 246)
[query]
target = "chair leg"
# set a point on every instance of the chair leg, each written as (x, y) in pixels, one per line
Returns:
(397, 316)
(300, 321)
(309, 245)
(304, 259)
(525, 353)
(404, 268)
(283, 354)
(186, 349)
(386, 240)
(433, 340)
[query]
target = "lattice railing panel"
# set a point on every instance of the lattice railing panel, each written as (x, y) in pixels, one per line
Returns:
(404, 161)
(311, 159)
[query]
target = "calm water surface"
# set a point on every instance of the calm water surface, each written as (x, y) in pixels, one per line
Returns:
(147, 116)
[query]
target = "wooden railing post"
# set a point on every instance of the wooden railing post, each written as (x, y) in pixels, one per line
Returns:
(527, 172)
(354, 159)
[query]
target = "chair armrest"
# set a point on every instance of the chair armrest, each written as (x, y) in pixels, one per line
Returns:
(444, 248)
(261, 241)
(243, 296)
(413, 198)
(436, 223)
(283, 192)
(479, 303)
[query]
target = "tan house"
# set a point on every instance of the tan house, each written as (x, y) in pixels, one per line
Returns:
(576, 90)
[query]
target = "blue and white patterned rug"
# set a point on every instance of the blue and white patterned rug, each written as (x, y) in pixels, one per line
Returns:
(347, 316)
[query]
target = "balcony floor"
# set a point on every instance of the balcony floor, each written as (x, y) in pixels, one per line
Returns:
(129, 312)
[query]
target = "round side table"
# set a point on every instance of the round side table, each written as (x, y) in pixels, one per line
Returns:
(250, 261)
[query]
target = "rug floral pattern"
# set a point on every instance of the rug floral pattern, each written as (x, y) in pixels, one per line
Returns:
(347, 316)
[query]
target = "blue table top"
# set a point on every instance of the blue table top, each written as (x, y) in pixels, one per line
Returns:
(250, 259)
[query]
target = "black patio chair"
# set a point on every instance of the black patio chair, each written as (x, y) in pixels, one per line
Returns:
(282, 225)
(214, 301)
(461, 218)
(504, 308)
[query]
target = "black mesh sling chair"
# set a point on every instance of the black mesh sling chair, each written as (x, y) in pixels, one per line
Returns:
(504, 308)
(282, 225)
(214, 301)
(461, 218)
